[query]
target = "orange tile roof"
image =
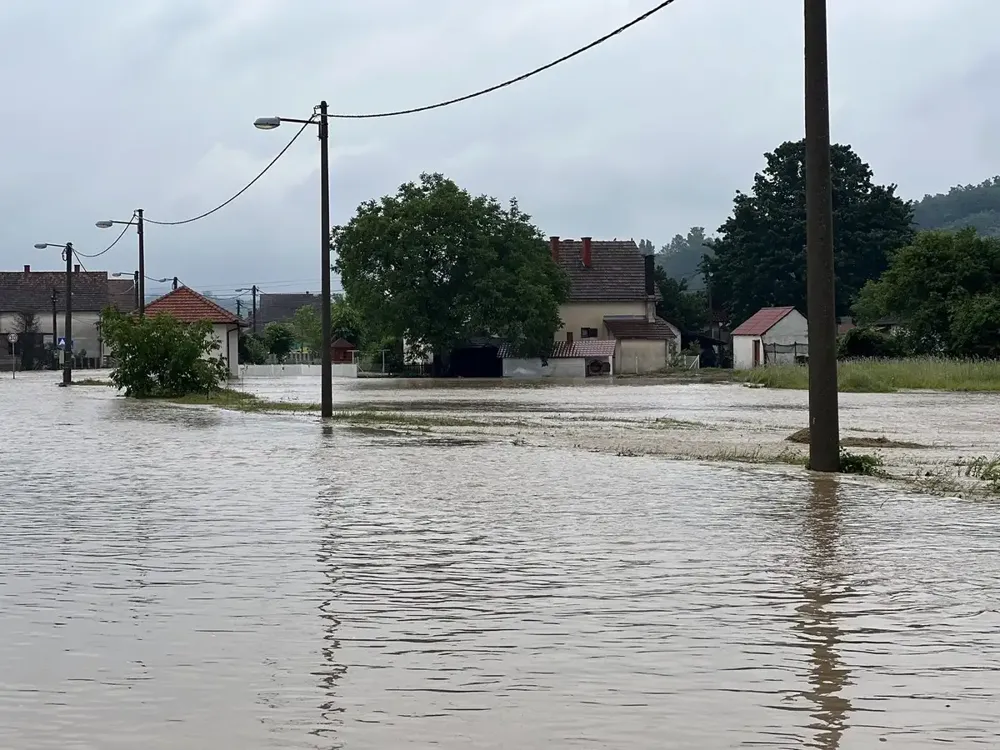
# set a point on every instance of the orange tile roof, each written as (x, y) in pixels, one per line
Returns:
(762, 321)
(190, 307)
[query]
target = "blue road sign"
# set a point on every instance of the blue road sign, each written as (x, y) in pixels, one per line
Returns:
(61, 343)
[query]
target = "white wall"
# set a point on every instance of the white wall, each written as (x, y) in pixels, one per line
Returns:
(791, 329)
(276, 371)
(84, 328)
(743, 352)
(532, 368)
(640, 356)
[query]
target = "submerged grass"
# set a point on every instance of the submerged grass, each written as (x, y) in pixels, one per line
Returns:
(887, 376)
(93, 381)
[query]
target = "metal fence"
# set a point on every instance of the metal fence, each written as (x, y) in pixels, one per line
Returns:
(786, 353)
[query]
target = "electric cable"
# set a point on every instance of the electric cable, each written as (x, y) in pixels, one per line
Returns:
(109, 247)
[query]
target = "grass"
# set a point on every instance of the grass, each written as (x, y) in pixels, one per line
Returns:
(93, 381)
(887, 376)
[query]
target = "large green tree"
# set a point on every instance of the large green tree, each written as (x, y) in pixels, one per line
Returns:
(760, 255)
(685, 309)
(945, 289)
(681, 258)
(437, 265)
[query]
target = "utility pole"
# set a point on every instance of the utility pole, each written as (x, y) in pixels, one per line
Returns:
(253, 292)
(68, 326)
(140, 230)
(326, 361)
(55, 320)
(176, 283)
(135, 289)
(824, 421)
(239, 308)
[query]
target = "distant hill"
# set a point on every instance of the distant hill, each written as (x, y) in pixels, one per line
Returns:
(681, 258)
(977, 206)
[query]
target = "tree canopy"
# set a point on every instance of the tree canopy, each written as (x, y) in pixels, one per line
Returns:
(976, 206)
(760, 255)
(681, 258)
(437, 265)
(945, 289)
(685, 309)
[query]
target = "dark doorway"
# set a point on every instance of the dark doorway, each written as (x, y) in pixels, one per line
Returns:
(476, 362)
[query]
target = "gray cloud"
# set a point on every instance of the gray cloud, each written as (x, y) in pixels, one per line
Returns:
(114, 104)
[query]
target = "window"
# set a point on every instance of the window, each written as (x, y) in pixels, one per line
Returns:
(588, 333)
(569, 337)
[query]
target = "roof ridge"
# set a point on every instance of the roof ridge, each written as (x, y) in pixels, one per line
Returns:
(226, 315)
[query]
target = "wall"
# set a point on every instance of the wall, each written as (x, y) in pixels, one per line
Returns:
(532, 368)
(639, 356)
(743, 352)
(84, 328)
(273, 371)
(227, 338)
(792, 329)
(576, 315)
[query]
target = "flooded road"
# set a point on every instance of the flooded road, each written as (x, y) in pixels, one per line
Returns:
(177, 578)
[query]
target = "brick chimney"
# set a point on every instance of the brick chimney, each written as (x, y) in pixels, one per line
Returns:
(76, 268)
(554, 244)
(585, 253)
(27, 268)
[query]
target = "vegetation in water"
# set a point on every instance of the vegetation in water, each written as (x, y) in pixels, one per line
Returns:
(159, 357)
(887, 376)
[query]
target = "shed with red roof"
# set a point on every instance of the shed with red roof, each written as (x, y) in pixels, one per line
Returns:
(187, 306)
(772, 335)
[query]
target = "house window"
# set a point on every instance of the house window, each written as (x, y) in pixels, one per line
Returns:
(588, 333)
(569, 337)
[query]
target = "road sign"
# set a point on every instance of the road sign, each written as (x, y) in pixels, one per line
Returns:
(11, 338)
(61, 343)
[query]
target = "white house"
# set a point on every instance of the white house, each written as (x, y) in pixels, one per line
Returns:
(772, 335)
(187, 306)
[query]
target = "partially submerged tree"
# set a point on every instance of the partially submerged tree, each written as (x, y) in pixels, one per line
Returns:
(160, 357)
(760, 257)
(436, 265)
(945, 290)
(279, 339)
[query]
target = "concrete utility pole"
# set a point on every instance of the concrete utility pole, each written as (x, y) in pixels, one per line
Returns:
(824, 420)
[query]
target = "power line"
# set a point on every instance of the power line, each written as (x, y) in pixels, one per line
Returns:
(117, 239)
(241, 191)
(511, 81)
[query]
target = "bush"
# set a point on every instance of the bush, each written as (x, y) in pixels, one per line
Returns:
(253, 349)
(160, 357)
(280, 340)
(867, 343)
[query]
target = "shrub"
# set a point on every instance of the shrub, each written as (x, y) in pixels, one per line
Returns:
(280, 340)
(160, 357)
(253, 349)
(868, 343)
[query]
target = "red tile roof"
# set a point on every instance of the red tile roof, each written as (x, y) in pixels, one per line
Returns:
(762, 321)
(190, 307)
(637, 327)
(573, 349)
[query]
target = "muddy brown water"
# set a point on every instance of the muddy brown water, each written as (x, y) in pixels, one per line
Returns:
(177, 578)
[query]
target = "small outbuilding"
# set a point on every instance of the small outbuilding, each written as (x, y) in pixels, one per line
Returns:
(772, 335)
(569, 359)
(187, 306)
(342, 352)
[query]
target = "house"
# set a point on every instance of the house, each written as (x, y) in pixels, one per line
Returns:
(33, 305)
(187, 306)
(610, 313)
(281, 308)
(772, 335)
(569, 359)
(342, 352)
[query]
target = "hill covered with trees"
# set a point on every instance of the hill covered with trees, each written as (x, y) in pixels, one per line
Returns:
(976, 206)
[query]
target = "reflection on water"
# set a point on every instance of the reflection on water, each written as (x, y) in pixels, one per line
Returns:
(210, 580)
(822, 589)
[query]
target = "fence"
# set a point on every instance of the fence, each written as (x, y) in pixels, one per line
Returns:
(794, 353)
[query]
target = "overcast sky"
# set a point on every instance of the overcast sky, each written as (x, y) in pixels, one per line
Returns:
(110, 105)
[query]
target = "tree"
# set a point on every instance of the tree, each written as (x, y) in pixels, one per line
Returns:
(686, 310)
(945, 288)
(253, 349)
(436, 265)
(760, 257)
(26, 322)
(976, 206)
(646, 247)
(160, 357)
(306, 327)
(345, 321)
(869, 343)
(682, 258)
(280, 340)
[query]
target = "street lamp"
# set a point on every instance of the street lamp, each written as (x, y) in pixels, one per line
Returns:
(137, 221)
(135, 284)
(319, 118)
(67, 250)
(253, 290)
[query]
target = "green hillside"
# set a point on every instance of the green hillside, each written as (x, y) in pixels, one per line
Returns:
(977, 206)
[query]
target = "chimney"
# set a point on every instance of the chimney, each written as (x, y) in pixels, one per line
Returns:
(554, 244)
(76, 268)
(27, 268)
(649, 261)
(585, 253)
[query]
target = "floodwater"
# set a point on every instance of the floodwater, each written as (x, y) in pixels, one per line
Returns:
(180, 578)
